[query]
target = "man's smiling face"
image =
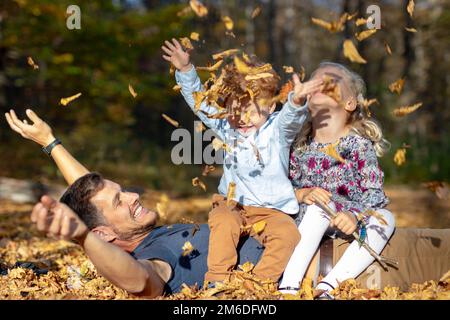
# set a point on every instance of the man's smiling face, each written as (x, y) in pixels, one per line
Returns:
(123, 211)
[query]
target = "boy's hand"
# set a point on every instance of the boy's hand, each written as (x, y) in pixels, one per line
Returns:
(58, 220)
(345, 221)
(308, 195)
(302, 91)
(39, 131)
(176, 55)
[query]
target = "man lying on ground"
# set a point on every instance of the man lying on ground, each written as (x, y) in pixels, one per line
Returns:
(117, 233)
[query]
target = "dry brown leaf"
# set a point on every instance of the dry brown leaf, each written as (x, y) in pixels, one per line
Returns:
(263, 75)
(196, 182)
(400, 156)
(440, 188)
(366, 105)
(170, 120)
(66, 101)
(365, 34)
(410, 7)
(187, 248)
(228, 23)
(207, 169)
(256, 12)
(351, 53)
(231, 193)
(186, 43)
(195, 36)
(32, 63)
(403, 111)
(284, 91)
(259, 226)
(247, 267)
(331, 88)
(199, 96)
(132, 91)
(288, 69)
(397, 86)
(198, 7)
(334, 26)
(413, 30)
(332, 152)
(224, 54)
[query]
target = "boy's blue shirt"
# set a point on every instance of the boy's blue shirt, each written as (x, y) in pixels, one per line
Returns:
(261, 181)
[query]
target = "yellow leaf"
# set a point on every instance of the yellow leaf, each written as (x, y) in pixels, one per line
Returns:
(198, 98)
(132, 91)
(360, 21)
(351, 53)
(331, 89)
(256, 12)
(332, 152)
(288, 69)
(365, 34)
(196, 182)
(403, 111)
(186, 43)
(198, 7)
(231, 192)
(306, 290)
(176, 88)
(32, 63)
(247, 267)
(243, 68)
(224, 54)
(263, 75)
(187, 248)
(400, 156)
(66, 101)
(397, 86)
(259, 226)
(410, 7)
(195, 36)
(212, 68)
(334, 26)
(388, 48)
(228, 23)
(411, 29)
(170, 120)
(367, 103)
(162, 206)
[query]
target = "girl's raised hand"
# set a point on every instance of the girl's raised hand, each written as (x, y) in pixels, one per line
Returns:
(176, 55)
(302, 91)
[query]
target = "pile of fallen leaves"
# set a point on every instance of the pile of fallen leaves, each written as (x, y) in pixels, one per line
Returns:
(35, 267)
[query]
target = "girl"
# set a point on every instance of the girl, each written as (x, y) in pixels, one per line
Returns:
(349, 180)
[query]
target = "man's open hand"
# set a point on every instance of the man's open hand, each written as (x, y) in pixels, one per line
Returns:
(176, 55)
(38, 131)
(58, 220)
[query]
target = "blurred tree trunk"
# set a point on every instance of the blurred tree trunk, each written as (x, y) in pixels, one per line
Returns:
(408, 50)
(271, 27)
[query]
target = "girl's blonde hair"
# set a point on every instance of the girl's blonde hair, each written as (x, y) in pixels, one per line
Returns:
(359, 120)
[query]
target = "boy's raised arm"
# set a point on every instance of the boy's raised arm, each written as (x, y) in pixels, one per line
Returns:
(41, 133)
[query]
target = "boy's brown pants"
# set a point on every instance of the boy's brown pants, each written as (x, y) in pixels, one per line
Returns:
(279, 237)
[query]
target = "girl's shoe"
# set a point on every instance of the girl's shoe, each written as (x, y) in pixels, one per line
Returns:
(324, 296)
(288, 290)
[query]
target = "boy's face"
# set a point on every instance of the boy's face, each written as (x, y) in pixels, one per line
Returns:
(251, 117)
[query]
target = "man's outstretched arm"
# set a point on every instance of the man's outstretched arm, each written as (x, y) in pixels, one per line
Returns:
(41, 133)
(120, 268)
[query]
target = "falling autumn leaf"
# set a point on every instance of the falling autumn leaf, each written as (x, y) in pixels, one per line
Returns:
(360, 21)
(66, 101)
(284, 91)
(212, 68)
(196, 182)
(170, 120)
(195, 36)
(365, 34)
(256, 12)
(288, 69)
(262, 75)
(397, 86)
(413, 30)
(259, 226)
(198, 7)
(198, 96)
(400, 156)
(187, 248)
(186, 43)
(231, 193)
(331, 89)
(334, 26)
(388, 48)
(207, 169)
(132, 91)
(228, 23)
(403, 111)
(332, 152)
(351, 53)
(32, 63)
(440, 188)
(410, 7)
(243, 68)
(367, 103)
(176, 88)
(224, 54)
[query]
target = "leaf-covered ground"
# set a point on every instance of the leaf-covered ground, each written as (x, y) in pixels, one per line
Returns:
(35, 267)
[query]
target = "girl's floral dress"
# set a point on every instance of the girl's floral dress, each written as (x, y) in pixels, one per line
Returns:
(356, 184)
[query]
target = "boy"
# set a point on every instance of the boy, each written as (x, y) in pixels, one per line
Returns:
(256, 162)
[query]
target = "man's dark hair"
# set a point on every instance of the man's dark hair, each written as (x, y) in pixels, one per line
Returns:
(78, 197)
